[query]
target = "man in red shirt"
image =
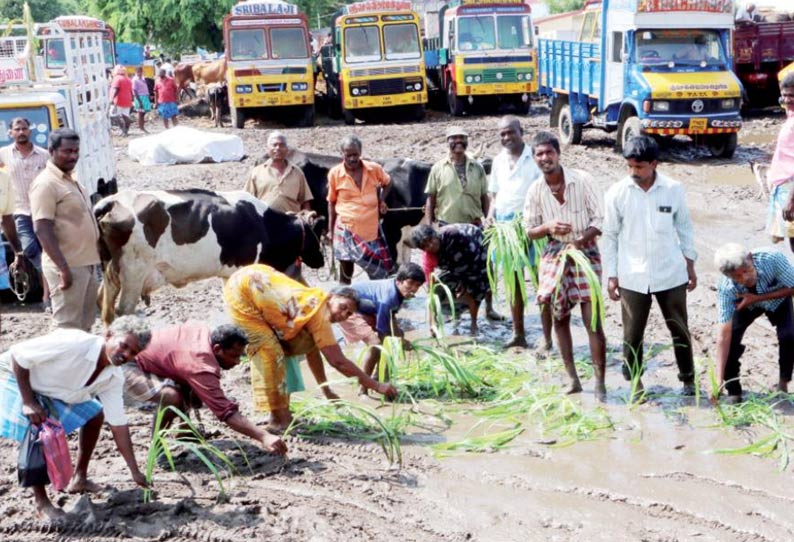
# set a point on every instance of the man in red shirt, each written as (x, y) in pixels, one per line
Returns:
(165, 96)
(121, 96)
(181, 367)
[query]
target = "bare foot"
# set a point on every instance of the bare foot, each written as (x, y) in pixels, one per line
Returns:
(517, 342)
(48, 512)
(473, 330)
(601, 393)
(276, 428)
(83, 485)
(491, 314)
(575, 387)
(782, 386)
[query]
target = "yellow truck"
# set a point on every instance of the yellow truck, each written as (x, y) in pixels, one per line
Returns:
(269, 62)
(375, 63)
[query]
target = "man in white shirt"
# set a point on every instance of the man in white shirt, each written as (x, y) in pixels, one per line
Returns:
(747, 13)
(75, 378)
(512, 173)
(649, 251)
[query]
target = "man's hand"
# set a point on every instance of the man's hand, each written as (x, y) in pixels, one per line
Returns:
(693, 278)
(20, 262)
(383, 208)
(612, 289)
(274, 444)
(34, 412)
(66, 278)
(745, 300)
(556, 227)
(140, 479)
(386, 389)
(488, 222)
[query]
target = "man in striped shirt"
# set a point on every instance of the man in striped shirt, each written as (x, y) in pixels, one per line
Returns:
(24, 161)
(565, 208)
(754, 283)
(649, 252)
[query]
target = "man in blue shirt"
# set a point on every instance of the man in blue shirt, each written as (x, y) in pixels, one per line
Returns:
(379, 302)
(754, 283)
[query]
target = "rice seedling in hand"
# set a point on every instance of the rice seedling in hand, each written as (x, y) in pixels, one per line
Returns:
(187, 436)
(435, 307)
(508, 252)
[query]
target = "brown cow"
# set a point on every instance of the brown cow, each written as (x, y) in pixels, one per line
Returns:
(210, 72)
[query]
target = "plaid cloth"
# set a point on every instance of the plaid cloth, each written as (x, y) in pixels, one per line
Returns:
(372, 256)
(573, 289)
(776, 225)
(13, 424)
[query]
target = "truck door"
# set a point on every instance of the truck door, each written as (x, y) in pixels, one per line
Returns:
(614, 68)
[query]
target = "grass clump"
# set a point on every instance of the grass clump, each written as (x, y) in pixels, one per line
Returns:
(487, 443)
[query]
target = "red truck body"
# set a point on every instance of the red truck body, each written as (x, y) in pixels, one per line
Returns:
(760, 51)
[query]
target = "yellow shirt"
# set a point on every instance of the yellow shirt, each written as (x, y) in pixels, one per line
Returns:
(285, 305)
(285, 193)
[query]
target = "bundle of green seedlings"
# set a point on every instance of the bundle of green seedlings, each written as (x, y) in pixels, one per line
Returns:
(509, 252)
(185, 435)
(344, 419)
(435, 306)
(582, 263)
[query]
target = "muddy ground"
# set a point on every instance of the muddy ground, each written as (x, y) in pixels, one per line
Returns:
(649, 478)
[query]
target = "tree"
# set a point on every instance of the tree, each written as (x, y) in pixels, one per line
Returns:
(561, 6)
(42, 10)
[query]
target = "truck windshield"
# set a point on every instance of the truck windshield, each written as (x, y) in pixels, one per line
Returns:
(402, 41)
(55, 54)
(681, 47)
(39, 124)
(476, 33)
(513, 31)
(288, 43)
(362, 43)
(107, 49)
(248, 44)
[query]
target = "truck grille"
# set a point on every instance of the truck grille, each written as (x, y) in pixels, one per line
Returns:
(389, 70)
(508, 75)
(684, 107)
(271, 87)
(381, 87)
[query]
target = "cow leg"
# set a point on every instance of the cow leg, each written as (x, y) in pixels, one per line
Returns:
(131, 291)
(108, 294)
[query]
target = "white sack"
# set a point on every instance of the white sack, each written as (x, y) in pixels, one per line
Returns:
(184, 145)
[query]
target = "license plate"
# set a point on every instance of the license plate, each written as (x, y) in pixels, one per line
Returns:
(273, 101)
(387, 100)
(698, 125)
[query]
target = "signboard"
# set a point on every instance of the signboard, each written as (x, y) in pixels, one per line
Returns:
(483, 2)
(712, 6)
(264, 8)
(263, 22)
(80, 23)
(11, 71)
(378, 5)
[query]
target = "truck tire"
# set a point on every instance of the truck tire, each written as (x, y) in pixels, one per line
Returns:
(307, 119)
(629, 127)
(570, 132)
(419, 113)
(349, 118)
(522, 107)
(238, 117)
(723, 145)
(456, 105)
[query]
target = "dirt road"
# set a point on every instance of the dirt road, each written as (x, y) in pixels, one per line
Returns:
(652, 477)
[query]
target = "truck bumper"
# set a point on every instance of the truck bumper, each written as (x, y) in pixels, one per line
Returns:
(390, 100)
(270, 99)
(693, 126)
(496, 89)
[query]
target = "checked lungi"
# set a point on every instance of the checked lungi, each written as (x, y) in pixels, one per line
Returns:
(573, 287)
(372, 256)
(14, 424)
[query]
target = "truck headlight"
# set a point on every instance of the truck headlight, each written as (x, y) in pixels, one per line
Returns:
(469, 78)
(355, 92)
(499, 75)
(520, 76)
(300, 86)
(661, 106)
(417, 86)
(728, 104)
(477, 78)
(243, 89)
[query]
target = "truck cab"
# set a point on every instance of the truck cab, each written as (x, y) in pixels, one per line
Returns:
(375, 62)
(646, 67)
(482, 51)
(75, 97)
(269, 62)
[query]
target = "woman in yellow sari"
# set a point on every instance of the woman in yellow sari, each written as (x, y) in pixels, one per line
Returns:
(283, 317)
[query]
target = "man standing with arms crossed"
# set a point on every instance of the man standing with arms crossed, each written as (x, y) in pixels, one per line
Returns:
(65, 225)
(649, 252)
(512, 173)
(24, 161)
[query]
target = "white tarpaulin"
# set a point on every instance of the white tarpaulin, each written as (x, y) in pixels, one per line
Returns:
(183, 145)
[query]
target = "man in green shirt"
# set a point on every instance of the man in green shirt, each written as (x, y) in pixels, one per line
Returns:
(457, 188)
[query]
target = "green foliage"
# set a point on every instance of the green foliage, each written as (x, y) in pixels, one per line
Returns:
(42, 10)
(561, 6)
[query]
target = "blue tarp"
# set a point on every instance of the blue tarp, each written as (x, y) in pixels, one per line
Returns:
(129, 54)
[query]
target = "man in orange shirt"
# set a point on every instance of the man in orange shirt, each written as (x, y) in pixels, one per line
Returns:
(356, 190)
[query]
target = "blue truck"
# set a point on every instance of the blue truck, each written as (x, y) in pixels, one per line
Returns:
(659, 67)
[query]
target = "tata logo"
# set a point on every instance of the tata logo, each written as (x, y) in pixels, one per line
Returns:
(697, 106)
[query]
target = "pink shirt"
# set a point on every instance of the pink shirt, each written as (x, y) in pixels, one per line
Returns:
(183, 353)
(782, 168)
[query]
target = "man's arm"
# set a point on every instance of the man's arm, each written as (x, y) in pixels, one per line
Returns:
(10, 231)
(121, 434)
(609, 245)
(430, 209)
(45, 231)
(243, 425)
(682, 222)
(30, 406)
(723, 348)
(331, 219)
(491, 215)
(745, 300)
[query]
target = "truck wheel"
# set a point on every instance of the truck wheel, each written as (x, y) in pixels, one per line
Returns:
(307, 119)
(522, 107)
(350, 119)
(419, 113)
(456, 105)
(570, 132)
(723, 145)
(630, 127)
(238, 117)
